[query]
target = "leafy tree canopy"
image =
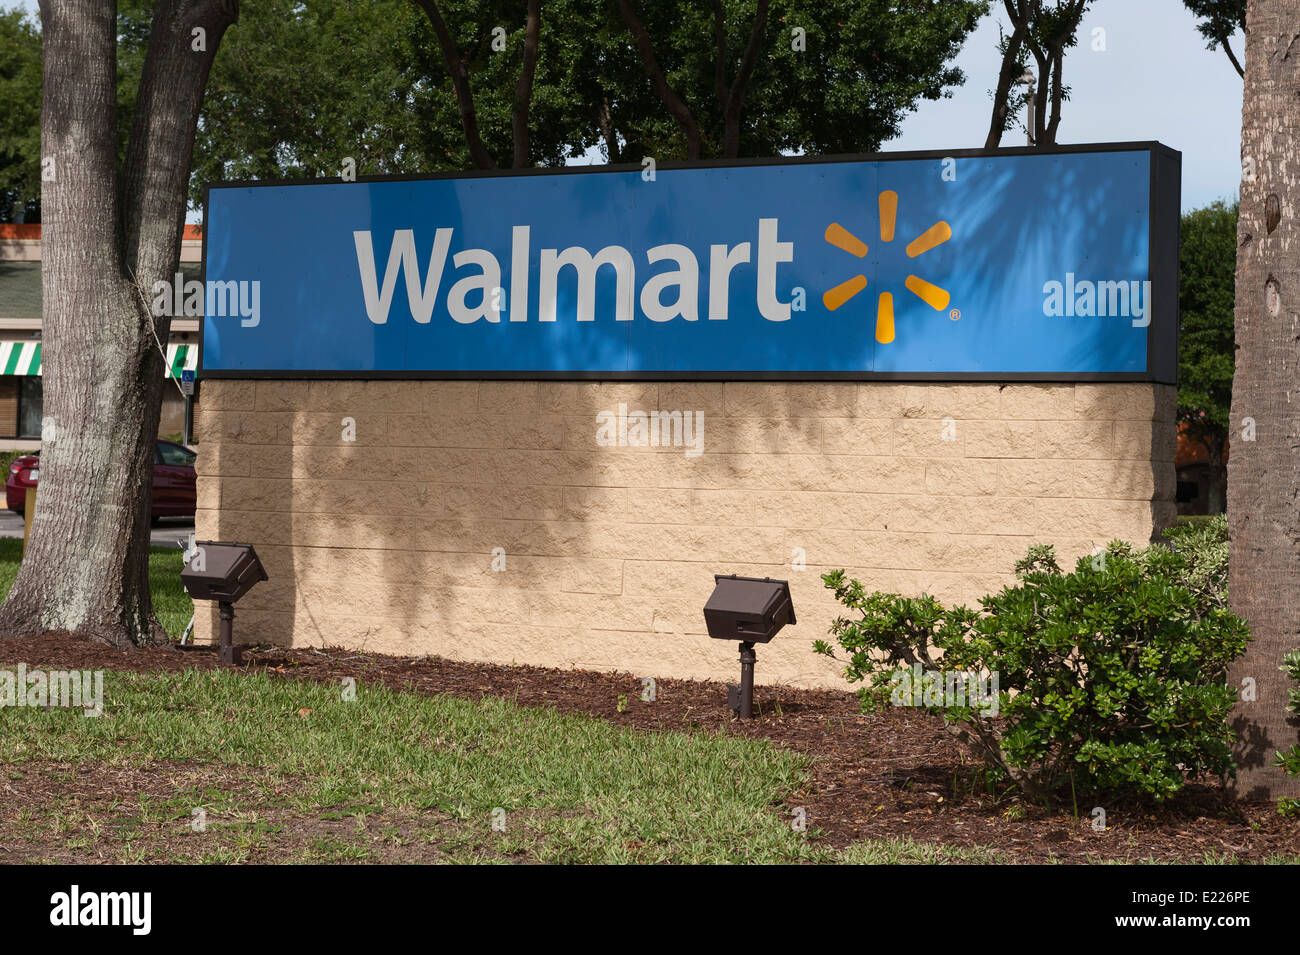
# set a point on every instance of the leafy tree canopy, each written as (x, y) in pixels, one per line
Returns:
(1219, 20)
(861, 67)
(299, 87)
(20, 115)
(1207, 267)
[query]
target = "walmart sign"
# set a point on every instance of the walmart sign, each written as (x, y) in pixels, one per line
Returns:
(1017, 263)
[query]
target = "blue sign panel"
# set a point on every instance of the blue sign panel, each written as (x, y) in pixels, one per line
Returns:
(1013, 263)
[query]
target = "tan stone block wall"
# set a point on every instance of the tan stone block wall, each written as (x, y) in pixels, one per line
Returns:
(385, 542)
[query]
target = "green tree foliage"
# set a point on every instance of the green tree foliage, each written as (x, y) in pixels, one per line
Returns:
(846, 86)
(20, 116)
(1219, 20)
(1042, 32)
(489, 38)
(299, 87)
(1207, 276)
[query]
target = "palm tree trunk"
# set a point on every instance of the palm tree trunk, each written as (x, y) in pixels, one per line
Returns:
(1264, 473)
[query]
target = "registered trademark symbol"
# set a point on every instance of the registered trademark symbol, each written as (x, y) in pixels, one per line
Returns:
(955, 314)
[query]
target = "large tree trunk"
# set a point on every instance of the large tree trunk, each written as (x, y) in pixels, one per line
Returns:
(105, 242)
(1264, 474)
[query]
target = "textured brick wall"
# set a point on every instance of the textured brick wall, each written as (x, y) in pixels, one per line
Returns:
(385, 543)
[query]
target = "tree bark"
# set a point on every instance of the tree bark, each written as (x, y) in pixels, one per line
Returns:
(680, 111)
(1044, 66)
(86, 565)
(1264, 474)
(1057, 96)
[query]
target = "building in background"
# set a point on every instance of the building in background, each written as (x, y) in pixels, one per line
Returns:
(1192, 464)
(21, 356)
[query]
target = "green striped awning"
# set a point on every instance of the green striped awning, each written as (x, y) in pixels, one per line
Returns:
(24, 358)
(20, 358)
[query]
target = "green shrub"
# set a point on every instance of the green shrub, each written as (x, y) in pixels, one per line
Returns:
(1204, 543)
(1290, 760)
(1109, 679)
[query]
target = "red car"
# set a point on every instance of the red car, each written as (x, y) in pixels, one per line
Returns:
(173, 481)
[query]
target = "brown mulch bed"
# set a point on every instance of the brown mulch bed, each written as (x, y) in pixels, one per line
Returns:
(897, 773)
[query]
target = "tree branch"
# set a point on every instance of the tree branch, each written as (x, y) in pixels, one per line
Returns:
(157, 168)
(1043, 63)
(720, 55)
(1007, 76)
(524, 88)
(460, 82)
(1058, 95)
(736, 97)
(1232, 57)
(670, 99)
(608, 133)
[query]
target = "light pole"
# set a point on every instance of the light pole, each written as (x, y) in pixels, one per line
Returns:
(1027, 81)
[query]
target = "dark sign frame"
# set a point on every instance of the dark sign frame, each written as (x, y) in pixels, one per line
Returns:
(1162, 266)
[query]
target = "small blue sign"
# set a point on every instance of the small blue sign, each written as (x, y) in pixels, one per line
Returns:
(187, 374)
(1031, 263)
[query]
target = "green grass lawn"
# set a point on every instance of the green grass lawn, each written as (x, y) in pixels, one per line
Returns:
(170, 601)
(399, 774)
(291, 770)
(395, 773)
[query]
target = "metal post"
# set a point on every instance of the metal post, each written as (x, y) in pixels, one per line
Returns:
(188, 426)
(227, 649)
(1028, 81)
(747, 659)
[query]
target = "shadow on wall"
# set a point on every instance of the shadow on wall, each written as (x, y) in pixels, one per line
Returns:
(450, 520)
(1164, 447)
(486, 521)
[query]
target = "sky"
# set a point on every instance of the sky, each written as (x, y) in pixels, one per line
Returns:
(1155, 80)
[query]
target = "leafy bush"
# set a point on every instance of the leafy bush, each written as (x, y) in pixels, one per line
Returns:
(1204, 543)
(1290, 760)
(1111, 678)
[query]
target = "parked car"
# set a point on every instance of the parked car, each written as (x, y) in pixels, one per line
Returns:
(173, 481)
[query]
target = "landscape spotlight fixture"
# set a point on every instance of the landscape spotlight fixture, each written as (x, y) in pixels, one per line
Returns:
(751, 610)
(224, 573)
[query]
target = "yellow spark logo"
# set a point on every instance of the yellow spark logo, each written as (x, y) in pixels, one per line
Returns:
(932, 295)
